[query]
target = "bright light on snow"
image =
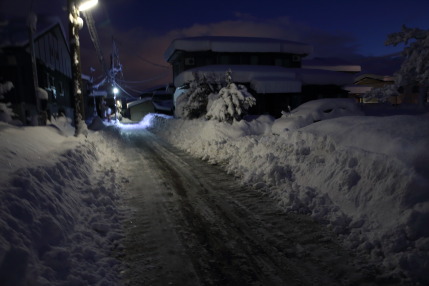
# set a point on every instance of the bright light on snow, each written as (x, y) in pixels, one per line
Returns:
(146, 122)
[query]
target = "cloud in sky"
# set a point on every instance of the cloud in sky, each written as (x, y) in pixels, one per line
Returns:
(141, 50)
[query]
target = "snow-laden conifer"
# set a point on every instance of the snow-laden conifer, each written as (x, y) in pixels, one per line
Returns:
(193, 103)
(232, 102)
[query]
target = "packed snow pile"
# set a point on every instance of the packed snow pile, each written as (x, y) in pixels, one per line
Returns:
(314, 111)
(60, 222)
(367, 178)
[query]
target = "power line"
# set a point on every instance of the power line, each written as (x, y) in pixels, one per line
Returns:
(94, 38)
(146, 80)
(146, 60)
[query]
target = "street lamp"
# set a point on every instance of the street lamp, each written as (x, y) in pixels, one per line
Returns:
(85, 5)
(75, 24)
(115, 92)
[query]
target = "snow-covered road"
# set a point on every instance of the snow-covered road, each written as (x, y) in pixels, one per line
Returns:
(193, 224)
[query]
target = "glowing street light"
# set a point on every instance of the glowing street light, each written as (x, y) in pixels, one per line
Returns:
(85, 5)
(115, 92)
(75, 24)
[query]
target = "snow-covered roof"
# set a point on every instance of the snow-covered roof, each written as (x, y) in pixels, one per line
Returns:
(270, 79)
(358, 89)
(137, 102)
(237, 44)
(19, 37)
(386, 78)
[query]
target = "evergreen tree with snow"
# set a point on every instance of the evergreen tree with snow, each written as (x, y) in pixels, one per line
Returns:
(197, 98)
(231, 103)
(415, 68)
(193, 103)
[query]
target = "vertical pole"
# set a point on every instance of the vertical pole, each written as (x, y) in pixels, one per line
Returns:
(74, 27)
(32, 20)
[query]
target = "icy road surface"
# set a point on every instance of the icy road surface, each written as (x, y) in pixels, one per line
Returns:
(193, 224)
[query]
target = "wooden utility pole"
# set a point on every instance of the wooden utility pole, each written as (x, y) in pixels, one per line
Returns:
(75, 24)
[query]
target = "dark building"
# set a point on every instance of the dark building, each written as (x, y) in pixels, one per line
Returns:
(53, 71)
(188, 53)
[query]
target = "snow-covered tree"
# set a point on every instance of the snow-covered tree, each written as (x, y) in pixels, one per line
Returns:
(197, 98)
(193, 103)
(415, 68)
(231, 103)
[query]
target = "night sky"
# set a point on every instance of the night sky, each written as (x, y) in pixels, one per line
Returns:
(144, 29)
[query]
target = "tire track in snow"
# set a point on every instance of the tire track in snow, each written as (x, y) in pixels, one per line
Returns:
(236, 236)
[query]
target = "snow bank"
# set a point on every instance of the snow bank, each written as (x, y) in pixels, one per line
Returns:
(60, 222)
(357, 174)
(314, 111)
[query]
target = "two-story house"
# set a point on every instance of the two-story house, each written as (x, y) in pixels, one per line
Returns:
(270, 68)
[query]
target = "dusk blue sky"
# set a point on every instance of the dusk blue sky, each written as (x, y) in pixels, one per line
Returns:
(144, 29)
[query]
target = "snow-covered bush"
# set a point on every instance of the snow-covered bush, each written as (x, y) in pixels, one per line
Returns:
(382, 94)
(231, 103)
(6, 113)
(5, 87)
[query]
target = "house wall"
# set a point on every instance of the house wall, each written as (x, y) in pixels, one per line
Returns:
(137, 112)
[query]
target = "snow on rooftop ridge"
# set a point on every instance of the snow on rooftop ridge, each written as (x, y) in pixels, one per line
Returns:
(386, 78)
(358, 89)
(237, 44)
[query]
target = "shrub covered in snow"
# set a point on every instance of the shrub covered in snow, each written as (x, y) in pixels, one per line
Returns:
(231, 103)
(6, 112)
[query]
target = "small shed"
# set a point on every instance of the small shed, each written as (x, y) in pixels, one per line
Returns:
(140, 108)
